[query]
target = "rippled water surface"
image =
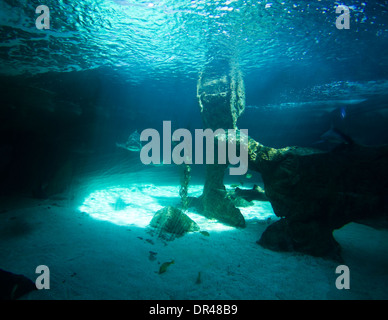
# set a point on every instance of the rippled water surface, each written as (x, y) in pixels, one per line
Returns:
(164, 38)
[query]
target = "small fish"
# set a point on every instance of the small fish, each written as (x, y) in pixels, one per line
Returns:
(205, 233)
(133, 143)
(150, 241)
(164, 266)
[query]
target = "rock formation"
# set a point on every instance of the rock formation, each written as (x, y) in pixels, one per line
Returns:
(313, 192)
(173, 221)
(221, 97)
(317, 192)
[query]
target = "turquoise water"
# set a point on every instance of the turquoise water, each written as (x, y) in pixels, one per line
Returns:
(73, 95)
(163, 39)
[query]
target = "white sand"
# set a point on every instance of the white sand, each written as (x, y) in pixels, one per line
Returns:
(90, 258)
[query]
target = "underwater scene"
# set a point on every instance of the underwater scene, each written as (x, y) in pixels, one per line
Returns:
(193, 150)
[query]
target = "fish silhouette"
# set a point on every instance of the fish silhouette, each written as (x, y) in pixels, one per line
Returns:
(133, 143)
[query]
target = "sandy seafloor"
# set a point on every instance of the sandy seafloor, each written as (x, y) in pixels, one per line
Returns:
(95, 252)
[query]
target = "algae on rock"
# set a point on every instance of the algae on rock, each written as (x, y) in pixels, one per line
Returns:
(184, 187)
(221, 97)
(312, 191)
(316, 192)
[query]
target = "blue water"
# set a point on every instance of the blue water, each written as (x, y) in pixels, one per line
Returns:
(106, 68)
(138, 61)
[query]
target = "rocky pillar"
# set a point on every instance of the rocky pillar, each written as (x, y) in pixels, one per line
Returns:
(221, 97)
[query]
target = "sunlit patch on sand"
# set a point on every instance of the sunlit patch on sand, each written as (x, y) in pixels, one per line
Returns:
(136, 205)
